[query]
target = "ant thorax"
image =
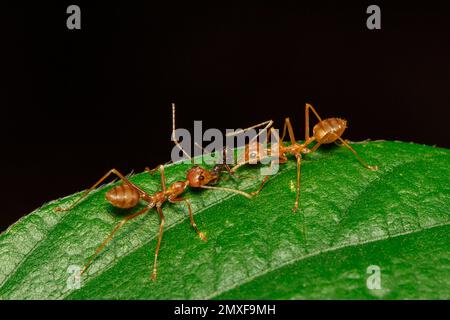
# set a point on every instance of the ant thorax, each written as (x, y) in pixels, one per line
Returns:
(198, 177)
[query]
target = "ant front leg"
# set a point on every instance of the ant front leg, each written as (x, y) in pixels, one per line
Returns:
(161, 230)
(191, 217)
(281, 160)
(218, 167)
(298, 156)
(85, 194)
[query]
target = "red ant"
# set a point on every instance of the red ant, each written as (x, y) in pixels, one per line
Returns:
(128, 195)
(324, 132)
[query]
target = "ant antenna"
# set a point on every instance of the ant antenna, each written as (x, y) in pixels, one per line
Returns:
(174, 138)
(267, 124)
(229, 190)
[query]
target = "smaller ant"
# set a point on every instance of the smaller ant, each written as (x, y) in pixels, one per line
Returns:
(324, 132)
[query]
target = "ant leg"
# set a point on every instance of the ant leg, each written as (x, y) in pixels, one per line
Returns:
(283, 135)
(267, 124)
(307, 107)
(224, 160)
(320, 142)
(174, 138)
(118, 226)
(239, 165)
(345, 144)
(299, 163)
(86, 192)
(228, 169)
(339, 144)
(288, 126)
(161, 230)
(191, 217)
(230, 172)
(297, 197)
(255, 193)
(224, 157)
(163, 177)
(242, 193)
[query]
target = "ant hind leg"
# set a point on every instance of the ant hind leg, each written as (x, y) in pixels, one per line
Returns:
(307, 107)
(345, 144)
(110, 236)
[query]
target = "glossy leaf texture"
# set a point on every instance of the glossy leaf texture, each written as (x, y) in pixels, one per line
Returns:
(350, 221)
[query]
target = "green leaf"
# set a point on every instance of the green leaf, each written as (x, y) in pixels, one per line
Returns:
(396, 218)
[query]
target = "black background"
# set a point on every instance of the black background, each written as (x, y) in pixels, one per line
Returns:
(79, 102)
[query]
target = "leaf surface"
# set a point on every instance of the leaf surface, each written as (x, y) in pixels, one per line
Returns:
(349, 219)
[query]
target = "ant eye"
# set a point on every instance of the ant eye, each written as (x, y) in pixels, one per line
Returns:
(201, 178)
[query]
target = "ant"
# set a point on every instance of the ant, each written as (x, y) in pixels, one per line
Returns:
(324, 132)
(127, 195)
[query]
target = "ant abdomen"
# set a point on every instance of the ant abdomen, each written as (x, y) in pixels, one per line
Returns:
(123, 196)
(327, 126)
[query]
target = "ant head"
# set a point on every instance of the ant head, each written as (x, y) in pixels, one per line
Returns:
(198, 176)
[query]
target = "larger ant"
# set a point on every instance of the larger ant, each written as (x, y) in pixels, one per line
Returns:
(324, 132)
(127, 195)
